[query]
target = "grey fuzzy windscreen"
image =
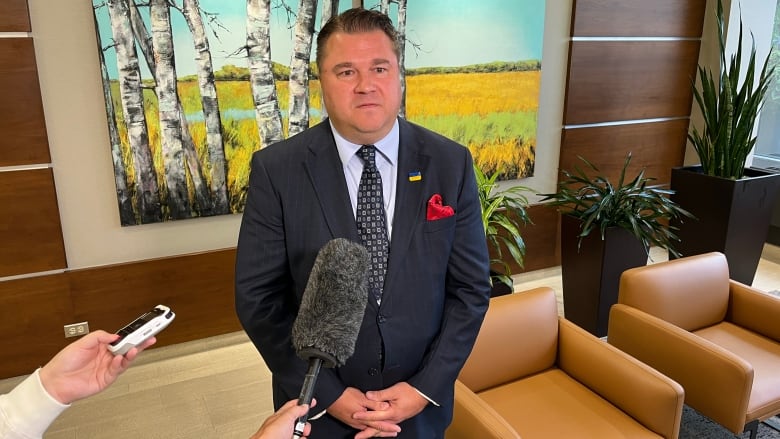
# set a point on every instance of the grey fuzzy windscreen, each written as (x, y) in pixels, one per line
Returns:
(333, 303)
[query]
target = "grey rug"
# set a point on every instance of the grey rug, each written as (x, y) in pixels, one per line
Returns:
(696, 426)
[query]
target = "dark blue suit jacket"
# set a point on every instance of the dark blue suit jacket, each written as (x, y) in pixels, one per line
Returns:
(436, 287)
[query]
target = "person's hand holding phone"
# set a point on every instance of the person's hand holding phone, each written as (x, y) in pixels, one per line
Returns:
(86, 367)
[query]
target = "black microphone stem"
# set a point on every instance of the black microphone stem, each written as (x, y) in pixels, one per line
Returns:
(307, 393)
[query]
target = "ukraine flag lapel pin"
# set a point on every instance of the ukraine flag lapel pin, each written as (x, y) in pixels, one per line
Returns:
(415, 176)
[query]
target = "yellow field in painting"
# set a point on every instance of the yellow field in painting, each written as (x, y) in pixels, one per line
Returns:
(494, 114)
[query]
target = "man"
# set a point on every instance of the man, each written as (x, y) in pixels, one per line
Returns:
(432, 291)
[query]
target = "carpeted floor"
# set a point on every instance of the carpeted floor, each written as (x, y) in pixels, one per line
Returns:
(696, 426)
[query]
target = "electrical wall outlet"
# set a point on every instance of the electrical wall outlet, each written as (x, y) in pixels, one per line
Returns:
(76, 329)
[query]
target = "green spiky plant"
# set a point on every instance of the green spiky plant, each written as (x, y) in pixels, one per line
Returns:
(641, 209)
(503, 213)
(729, 109)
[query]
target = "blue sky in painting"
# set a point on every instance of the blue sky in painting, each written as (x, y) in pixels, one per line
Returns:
(448, 32)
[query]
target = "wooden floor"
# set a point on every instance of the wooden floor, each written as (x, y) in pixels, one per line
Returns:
(220, 387)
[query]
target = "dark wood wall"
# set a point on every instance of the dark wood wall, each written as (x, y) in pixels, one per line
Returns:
(607, 81)
(629, 90)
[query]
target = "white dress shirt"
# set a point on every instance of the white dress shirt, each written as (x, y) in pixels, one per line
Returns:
(386, 163)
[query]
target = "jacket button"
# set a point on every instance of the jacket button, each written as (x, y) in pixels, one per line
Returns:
(381, 318)
(373, 371)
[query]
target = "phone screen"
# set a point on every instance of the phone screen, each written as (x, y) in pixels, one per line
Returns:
(137, 323)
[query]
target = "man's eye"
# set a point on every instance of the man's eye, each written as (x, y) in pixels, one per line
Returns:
(380, 69)
(345, 73)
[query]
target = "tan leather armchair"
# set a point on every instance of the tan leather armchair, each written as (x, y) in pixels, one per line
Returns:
(718, 338)
(533, 374)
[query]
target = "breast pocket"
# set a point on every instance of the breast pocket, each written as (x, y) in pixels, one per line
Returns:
(440, 224)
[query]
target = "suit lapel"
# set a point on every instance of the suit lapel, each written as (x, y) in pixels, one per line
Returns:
(409, 203)
(327, 176)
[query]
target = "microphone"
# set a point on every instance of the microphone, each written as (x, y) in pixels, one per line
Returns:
(326, 329)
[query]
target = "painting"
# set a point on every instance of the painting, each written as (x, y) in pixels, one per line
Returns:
(194, 87)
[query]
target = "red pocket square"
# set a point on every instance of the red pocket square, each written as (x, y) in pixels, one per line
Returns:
(437, 210)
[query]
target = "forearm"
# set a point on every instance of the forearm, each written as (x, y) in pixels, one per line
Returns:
(28, 410)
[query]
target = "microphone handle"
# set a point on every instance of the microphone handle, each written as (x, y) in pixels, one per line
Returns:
(307, 393)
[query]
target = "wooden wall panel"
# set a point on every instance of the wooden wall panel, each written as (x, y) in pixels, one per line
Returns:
(626, 80)
(199, 288)
(541, 241)
(14, 16)
(638, 18)
(23, 140)
(30, 231)
(34, 311)
(657, 147)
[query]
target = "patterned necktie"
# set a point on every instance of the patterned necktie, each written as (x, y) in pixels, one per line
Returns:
(371, 220)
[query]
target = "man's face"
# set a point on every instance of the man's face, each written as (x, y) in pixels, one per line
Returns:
(361, 87)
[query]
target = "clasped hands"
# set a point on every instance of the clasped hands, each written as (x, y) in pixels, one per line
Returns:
(378, 413)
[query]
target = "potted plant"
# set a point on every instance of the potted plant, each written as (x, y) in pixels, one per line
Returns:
(607, 228)
(503, 214)
(732, 202)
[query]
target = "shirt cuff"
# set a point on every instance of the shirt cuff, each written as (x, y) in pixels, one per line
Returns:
(318, 415)
(32, 409)
(426, 397)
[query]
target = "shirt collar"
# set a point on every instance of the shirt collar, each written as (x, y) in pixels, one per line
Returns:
(387, 146)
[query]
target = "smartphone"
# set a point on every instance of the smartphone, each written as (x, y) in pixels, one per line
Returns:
(141, 329)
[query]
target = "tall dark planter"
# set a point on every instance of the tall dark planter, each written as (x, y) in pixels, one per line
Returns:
(499, 288)
(732, 216)
(591, 276)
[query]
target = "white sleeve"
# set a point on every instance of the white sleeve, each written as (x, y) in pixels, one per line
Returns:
(28, 410)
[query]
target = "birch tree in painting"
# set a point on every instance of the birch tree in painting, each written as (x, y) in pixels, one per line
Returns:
(124, 201)
(210, 103)
(384, 7)
(299, 67)
(261, 77)
(200, 188)
(329, 9)
(147, 194)
(402, 49)
(170, 122)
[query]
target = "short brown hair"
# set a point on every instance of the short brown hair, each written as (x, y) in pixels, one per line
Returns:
(357, 20)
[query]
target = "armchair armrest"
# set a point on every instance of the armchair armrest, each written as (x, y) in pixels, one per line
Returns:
(619, 378)
(754, 310)
(705, 370)
(474, 418)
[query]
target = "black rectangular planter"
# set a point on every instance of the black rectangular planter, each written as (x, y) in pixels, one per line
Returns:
(591, 275)
(732, 216)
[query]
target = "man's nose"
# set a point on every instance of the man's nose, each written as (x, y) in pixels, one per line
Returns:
(365, 83)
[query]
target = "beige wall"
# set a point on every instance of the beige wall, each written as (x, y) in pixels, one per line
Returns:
(66, 53)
